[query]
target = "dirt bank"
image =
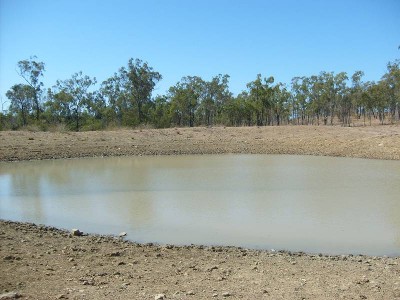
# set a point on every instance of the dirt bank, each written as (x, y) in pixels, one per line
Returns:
(39, 262)
(46, 263)
(381, 142)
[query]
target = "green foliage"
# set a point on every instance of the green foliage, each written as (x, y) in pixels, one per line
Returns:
(71, 99)
(21, 98)
(31, 71)
(126, 100)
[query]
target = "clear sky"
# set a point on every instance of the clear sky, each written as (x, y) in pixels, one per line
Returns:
(177, 38)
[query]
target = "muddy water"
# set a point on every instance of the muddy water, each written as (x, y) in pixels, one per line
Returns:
(298, 203)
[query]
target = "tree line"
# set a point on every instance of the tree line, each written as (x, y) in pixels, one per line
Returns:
(126, 99)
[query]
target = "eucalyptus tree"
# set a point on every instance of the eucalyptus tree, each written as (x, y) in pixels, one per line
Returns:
(21, 101)
(58, 107)
(233, 112)
(356, 91)
(246, 110)
(260, 93)
(140, 83)
(392, 81)
(328, 95)
(116, 97)
(300, 99)
(73, 97)
(214, 95)
(316, 104)
(160, 112)
(31, 71)
(280, 103)
(377, 96)
(343, 99)
(367, 101)
(129, 90)
(184, 98)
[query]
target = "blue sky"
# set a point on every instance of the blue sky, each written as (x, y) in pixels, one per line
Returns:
(177, 38)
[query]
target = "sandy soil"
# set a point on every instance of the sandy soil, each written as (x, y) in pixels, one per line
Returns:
(38, 262)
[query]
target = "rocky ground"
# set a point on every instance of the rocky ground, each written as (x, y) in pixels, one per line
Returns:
(38, 262)
(381, 142)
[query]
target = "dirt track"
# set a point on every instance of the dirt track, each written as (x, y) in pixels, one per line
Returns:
(39, 262)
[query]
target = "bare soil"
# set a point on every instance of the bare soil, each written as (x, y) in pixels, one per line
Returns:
(381, 142)
(39, 262)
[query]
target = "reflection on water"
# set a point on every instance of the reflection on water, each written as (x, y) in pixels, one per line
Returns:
(299, 203)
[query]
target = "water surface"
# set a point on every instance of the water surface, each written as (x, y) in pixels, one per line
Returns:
(298, 203)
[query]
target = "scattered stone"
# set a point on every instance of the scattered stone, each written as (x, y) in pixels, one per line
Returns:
(76, 232)
(160, 297)
(10, 295)
(220, 278)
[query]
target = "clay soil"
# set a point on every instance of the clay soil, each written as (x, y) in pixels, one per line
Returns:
(39, 262)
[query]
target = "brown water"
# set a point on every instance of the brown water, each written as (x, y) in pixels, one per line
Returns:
(298, 203)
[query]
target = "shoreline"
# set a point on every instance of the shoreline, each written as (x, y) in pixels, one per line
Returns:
(43, 262)
(219, 248)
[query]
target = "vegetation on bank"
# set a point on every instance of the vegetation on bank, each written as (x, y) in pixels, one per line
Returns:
(126, 99)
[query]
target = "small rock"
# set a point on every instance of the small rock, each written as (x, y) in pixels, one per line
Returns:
(10, 295)
(190, 293)
(212, 268)
(226, 294)
(215, 295)
(221, 278)
(160, 297)
(76, 232)
(62, 296)
(122, 234)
